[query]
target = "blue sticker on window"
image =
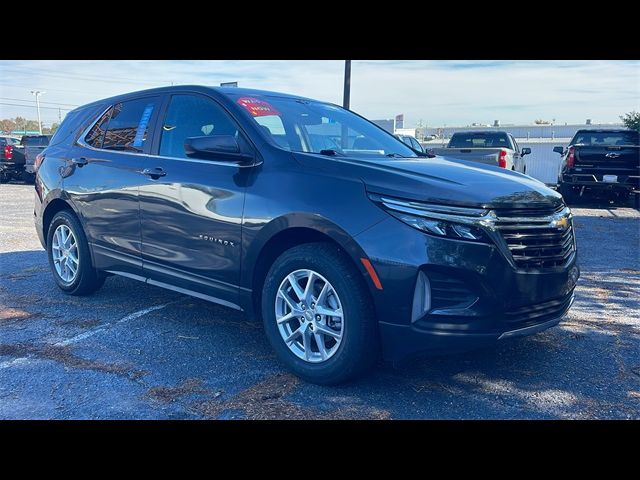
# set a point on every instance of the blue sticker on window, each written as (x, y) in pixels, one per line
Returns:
(142, 126)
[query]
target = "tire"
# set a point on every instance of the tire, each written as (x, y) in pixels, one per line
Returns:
(28, 177)
(567, 193)
(358, 349)
(86, 279)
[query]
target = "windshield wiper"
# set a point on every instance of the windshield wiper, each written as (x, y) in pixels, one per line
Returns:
(331, 152)
(394, 155)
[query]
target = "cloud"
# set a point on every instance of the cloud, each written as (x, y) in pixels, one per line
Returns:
(455, 92)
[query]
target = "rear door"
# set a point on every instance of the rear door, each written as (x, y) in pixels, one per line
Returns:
(192, 213)
(102, 179)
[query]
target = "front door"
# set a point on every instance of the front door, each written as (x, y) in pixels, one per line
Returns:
(191, 210)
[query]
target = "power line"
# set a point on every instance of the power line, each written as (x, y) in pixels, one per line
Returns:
(76, 75)
(81, 77)
(32, 106)
(50, 103)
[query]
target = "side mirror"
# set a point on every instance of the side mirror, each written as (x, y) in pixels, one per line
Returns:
(212, 145)
(525, 151)
(559, 150)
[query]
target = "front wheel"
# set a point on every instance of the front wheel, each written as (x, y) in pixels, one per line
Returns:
(69, 256)
(318, 315)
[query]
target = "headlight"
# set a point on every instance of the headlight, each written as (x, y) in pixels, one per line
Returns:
(460, 223)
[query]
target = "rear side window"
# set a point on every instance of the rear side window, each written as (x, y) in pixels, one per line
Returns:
(128, 126)
(479, 140)
(95, 137)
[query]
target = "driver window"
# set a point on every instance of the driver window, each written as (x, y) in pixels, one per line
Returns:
(192, 116)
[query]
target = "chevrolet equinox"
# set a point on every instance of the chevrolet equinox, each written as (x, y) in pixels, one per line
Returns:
(344, 241)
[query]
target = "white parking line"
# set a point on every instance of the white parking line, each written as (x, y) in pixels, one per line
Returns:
(91, 333)
(15, 361)
(127, 318)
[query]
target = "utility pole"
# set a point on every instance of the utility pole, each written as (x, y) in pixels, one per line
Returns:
(347, 84)
(37, 93)
(59, 116)
(345, 103)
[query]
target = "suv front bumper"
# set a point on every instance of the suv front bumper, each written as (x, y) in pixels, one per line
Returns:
(495, 300)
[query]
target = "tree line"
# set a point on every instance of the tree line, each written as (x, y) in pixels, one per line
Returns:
(20, 124)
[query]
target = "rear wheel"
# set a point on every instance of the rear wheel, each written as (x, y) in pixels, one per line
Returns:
(28, 177)
(567, 193)
(69, 256)
(318, 316)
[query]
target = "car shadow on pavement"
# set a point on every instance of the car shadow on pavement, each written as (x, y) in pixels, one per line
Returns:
(193, 359)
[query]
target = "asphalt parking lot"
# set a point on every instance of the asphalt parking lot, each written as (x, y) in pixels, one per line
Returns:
(133, 351)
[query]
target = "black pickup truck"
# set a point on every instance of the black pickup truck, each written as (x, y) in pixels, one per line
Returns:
(600, 162)
(11, 159)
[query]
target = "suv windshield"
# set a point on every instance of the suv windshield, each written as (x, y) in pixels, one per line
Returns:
(308, 126)
(479, 140)
(605, 138)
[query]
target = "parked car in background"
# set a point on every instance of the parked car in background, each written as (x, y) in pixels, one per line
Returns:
(488, 147)
(33, 146)
(11, 159)
(603, 161)
(411, 142)
(344, 241)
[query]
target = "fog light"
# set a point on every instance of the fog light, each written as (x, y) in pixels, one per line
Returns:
(421, 297)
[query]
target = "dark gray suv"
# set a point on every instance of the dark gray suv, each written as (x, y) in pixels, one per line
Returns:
(344, 241)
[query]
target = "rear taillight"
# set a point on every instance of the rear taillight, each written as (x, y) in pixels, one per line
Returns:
(571, 157)
(502, 159)
(8, 152)
(38, 161)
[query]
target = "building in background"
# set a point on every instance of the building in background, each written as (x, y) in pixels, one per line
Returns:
(388, 125)
(528, 132)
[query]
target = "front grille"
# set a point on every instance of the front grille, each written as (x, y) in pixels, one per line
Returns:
(538, 313)
(533, 242)
(449, 292)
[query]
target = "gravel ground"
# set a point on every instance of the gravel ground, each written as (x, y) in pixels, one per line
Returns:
(136, 351)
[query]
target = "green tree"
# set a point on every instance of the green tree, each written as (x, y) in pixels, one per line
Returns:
(20, 123)
(631, 120)
(50, 130)
(7, 125)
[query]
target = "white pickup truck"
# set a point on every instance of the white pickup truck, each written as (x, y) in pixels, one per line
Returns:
(489, 147)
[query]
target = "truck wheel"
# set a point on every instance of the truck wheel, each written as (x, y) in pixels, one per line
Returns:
(69, 256)
(567, 193)
(318, 315)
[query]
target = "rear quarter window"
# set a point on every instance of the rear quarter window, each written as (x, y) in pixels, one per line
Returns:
(73, 124)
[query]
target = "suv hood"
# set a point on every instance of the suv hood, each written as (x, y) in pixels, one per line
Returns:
(439, 180)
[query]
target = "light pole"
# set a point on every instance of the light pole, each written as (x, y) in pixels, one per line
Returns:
(347, 84)
(37, 93)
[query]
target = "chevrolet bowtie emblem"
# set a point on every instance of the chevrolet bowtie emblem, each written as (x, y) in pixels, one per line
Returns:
(561, 223)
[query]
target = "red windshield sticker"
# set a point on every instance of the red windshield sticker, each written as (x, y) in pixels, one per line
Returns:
(257, 108)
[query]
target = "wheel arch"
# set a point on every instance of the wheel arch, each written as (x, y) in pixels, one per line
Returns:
(284, 233)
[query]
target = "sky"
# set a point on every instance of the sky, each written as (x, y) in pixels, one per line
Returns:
(435, 93)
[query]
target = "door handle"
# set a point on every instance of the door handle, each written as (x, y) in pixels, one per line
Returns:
(154, 173)
(80, 162)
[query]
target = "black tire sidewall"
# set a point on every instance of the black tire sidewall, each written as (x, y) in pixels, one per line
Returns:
(86, 273)
(358, 346)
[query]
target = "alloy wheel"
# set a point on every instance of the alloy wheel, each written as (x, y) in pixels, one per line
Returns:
(309, 316)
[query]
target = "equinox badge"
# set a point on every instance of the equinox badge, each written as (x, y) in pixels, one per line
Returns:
(209, 238)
